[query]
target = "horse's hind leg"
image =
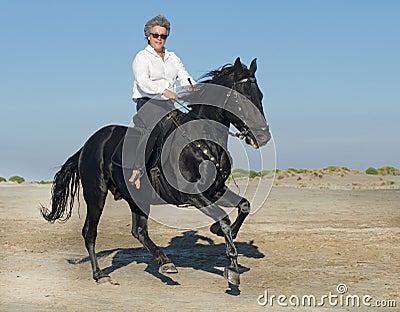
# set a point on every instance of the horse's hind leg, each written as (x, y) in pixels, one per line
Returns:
(95, 201)
(140, 231)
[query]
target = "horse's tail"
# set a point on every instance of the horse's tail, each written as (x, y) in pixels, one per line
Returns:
(65, 188)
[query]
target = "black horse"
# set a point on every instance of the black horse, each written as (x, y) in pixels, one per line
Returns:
(95, 169)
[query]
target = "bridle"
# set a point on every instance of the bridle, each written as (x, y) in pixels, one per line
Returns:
(244, 131)
(244, 80)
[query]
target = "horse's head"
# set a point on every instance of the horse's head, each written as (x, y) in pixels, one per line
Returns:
(244, 108)
(233, 97)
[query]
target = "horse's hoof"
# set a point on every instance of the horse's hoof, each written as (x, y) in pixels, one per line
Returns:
(216, 229)
(104, 279)
(232, 276)
(168, 268)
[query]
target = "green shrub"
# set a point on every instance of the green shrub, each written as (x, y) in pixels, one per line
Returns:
(253, 174)
(44, 182)
(371, 170)
(239, 173)
(332, 168)
(242, 173)
(294, 170)
(387, 170)
(17, 179)
(264, 173)
(3, 179)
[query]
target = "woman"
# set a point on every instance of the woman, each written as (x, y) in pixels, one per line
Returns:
(156, 71)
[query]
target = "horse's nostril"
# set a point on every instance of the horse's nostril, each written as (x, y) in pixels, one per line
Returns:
(261, 137)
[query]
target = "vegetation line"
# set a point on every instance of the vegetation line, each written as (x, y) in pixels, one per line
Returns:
(243, 173)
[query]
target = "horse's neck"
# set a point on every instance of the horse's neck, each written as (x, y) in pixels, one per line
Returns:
(210, 113)
(219, 129)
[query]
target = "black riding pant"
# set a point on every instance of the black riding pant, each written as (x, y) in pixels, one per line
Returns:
(147, 120)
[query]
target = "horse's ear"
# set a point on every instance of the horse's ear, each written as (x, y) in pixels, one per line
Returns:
(237, 67)
(253, 67)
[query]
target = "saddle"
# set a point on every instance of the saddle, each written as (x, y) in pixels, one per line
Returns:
(125, 152)
(123, 159)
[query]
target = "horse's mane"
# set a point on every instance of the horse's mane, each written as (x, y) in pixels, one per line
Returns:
(219, 73)
(222, 76)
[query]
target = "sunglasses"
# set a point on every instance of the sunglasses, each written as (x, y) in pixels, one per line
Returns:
(158, 35)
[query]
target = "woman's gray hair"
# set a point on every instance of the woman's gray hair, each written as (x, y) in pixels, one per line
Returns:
(159, 20)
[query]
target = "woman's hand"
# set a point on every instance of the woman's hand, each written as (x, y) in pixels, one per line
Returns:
(170, 95)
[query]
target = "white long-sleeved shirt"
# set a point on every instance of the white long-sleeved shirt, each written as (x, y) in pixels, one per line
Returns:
(153, 75)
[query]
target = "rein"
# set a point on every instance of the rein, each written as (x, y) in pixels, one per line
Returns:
(244, 131)
(241, 134)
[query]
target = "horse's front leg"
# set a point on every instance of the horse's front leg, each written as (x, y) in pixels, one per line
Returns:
(227, 198)
(231, 272)
(205, 205)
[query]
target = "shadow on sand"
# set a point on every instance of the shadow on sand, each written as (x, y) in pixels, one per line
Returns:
(185, 251)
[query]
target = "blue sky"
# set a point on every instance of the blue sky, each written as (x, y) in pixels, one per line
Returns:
(329, 71)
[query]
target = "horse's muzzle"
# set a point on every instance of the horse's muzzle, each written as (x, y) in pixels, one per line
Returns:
(257, 140)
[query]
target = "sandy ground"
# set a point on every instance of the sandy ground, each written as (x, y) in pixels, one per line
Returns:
(312, 234)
